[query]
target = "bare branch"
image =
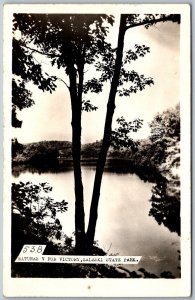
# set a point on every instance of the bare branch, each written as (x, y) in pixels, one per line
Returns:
(63, 82)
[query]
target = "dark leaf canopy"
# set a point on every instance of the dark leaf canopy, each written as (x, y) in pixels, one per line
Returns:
(21, 97)
(137, 82)
(28, 201)
(94, 85)
(106, 66)
(36, 212)
(131, 55)
(87, 106)
(15, 122)
(65, 37)
(24, 65)
(26, 69)
(120, 136)
(66, 40)
(107, 63)
(73, 40)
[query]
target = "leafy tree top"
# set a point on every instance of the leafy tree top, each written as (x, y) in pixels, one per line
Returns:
(65, 38)
(166, 125)
(70, 41)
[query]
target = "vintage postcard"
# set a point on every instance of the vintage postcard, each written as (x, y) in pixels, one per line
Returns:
(97, 150)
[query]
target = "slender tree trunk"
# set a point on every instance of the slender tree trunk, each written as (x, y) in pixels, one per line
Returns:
(76, 153)
(107, 136)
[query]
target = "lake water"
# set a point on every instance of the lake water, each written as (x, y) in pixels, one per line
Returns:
(123, 225)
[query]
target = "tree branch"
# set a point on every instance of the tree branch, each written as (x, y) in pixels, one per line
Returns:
(154, 21)
(40, 52)
(63, 82)
(46, 54)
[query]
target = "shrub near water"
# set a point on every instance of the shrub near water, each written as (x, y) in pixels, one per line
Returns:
(34, 215)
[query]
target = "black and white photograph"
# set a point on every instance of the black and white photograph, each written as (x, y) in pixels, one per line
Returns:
(97, 150)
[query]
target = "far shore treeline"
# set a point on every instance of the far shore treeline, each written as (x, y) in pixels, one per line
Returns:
(157, 155)
(47, 154)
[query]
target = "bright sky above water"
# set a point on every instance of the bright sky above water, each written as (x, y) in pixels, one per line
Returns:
(50, 117)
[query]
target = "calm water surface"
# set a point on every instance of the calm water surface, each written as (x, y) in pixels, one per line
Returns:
(123, 226)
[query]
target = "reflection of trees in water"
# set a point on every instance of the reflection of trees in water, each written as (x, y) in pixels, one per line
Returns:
(51, 167)
(26, 231)
(165, 137)
(121, 166)
(165, 208)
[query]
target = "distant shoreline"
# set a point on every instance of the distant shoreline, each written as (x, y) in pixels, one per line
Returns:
(56, 156)
(116, 165)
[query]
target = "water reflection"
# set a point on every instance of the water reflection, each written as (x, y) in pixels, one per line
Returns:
(18, 169)
(165, 209)
(123, 226)
(119, 166)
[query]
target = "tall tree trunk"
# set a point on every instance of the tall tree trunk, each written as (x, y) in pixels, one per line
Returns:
(107, 136)
(76, 153)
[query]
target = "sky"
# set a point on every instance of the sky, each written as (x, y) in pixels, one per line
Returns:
(50, 117)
